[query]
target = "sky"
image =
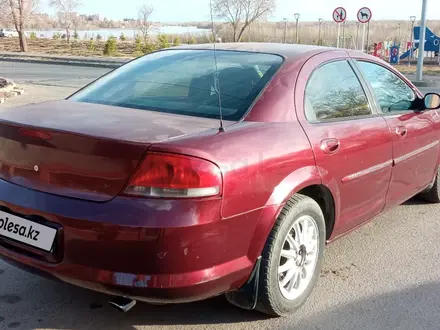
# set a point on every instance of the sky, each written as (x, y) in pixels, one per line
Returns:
(310, 10)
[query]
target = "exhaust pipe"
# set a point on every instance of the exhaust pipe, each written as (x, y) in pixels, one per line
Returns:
(122, 304)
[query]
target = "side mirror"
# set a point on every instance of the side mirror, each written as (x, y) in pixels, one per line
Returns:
(432, 101)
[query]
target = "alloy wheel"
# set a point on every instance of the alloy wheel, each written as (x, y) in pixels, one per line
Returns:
(298, 257)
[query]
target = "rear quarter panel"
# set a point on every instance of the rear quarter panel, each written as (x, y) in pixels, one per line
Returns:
(261, 163)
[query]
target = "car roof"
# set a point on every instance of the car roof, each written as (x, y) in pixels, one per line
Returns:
(285, 50)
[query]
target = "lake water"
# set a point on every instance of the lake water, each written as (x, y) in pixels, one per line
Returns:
(128, 32)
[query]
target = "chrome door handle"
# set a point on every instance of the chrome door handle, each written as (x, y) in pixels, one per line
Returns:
(401, 131)
(330, 146)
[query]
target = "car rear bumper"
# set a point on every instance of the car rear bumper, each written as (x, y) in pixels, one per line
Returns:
(151, 250)
(159, 288)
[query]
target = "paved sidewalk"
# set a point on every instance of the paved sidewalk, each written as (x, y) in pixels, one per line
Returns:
(36, 94)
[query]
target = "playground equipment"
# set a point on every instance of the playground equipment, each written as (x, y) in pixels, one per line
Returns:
(432, 43)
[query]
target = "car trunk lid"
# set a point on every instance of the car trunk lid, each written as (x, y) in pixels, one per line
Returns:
(82, 150)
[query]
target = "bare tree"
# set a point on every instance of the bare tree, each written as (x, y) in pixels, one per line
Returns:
(67, 13)
(17, 13)
(242, 13)
(144, 23)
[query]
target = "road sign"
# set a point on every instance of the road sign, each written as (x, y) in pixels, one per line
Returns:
(394, 56)
(339, 15)
(364, 15)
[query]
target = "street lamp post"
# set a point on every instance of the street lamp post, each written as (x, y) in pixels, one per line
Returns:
(285, 29)
(358, 26)
(422, 39)
(320, 20)
(413, 20)
(296, 15)
(400, 33)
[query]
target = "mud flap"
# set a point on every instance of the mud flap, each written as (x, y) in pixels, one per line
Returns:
(246, 297)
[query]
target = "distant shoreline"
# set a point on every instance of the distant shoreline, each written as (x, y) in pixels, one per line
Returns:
(128, 32)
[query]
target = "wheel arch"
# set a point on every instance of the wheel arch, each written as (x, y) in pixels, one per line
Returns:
(324, 197)
(306, 181)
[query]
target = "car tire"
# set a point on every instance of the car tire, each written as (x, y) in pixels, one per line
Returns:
(274, 297)
(433, 194)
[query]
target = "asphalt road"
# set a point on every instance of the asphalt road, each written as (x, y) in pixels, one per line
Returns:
(382, 276)
(50, 75)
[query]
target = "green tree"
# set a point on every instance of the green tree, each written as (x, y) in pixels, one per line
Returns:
(162, 41)
(138, 49)
(149, 48)
(75, 35)
(122, 37)
(176, 41)
(91, 46)
(33, 36)
(192, 40)
(56, 35)
(110, 48)
(98, 37)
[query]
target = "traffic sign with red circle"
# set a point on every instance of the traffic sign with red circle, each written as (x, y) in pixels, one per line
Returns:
(364, 15)
(339, 15)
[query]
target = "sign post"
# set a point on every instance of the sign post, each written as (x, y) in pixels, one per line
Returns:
(364, 17)
(437, 44)
(343, 34)
(339, 16)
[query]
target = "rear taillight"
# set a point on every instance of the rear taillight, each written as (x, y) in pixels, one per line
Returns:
(175, 176)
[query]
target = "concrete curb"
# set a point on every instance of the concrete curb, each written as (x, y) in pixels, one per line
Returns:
(111, 63)
(425, 83)
(72, 63)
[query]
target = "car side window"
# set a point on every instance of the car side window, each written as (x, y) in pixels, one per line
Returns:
(392, 93)
(334, 92)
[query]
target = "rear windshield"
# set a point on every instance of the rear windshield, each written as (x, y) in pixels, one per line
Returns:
(183, 82)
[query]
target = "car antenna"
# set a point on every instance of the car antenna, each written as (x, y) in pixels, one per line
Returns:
(216, 79)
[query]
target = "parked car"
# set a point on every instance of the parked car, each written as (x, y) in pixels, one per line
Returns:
(168, 180)
(8, 33)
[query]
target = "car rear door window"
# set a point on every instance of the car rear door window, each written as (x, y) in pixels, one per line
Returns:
(392, 93)
(335, 92)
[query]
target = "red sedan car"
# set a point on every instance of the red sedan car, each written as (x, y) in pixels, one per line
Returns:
(183, 175)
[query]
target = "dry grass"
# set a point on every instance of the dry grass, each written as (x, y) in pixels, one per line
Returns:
(83, 47)
(427, 70)
(61, 47)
